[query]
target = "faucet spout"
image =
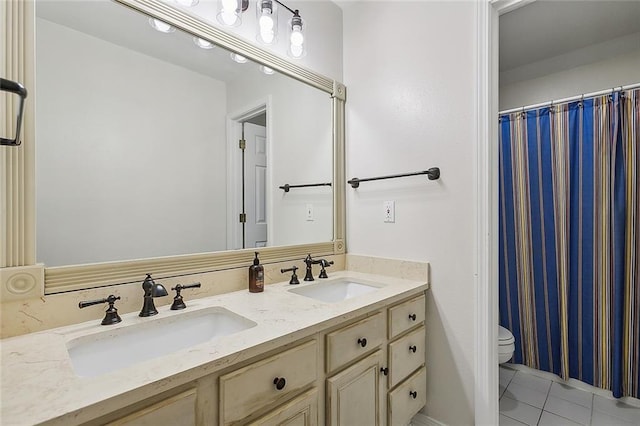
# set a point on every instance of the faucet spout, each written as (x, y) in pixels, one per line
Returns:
(151, 289)
(309, 274)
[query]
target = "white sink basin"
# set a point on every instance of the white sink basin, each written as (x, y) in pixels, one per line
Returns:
(335, 290)
(114, 349)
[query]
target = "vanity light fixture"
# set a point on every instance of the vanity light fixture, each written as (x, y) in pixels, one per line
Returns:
(161, 26)
(265, 69)
(238, 58)
(202, 43)
(230, 11)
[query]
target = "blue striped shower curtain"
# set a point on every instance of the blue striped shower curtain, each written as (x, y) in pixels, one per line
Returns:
(569, 261)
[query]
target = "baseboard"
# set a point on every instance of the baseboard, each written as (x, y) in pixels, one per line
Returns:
(421, 419)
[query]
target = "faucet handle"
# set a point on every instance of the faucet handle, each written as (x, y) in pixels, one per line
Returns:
(324, 264)
(294, 277)
(178, 302)
(111, 314)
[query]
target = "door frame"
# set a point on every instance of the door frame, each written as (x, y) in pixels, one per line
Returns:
(234, 180)
(486, 199)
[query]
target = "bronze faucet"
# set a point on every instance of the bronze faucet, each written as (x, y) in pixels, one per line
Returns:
(151, 289)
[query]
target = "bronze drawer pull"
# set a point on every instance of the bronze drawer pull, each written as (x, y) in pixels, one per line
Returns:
(413, 394)
(362, 342)
(413, 348)
(412, 317)
(280, 383)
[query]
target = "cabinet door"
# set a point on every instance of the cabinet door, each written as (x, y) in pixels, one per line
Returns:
(302, 411)
(355, 396)
(177, 410)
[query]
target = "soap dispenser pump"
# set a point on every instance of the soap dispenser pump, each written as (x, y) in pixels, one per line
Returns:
(256, 276)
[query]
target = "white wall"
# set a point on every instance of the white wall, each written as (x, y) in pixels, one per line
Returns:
(411, 73)
(128, 153)
(596, 70)
(300, 152)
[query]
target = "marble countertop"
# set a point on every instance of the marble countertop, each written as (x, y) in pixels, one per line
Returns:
(38, 383)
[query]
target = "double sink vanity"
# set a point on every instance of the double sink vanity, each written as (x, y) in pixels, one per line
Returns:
(346, 350)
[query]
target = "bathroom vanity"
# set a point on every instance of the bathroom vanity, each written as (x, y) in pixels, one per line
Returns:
(286, 358)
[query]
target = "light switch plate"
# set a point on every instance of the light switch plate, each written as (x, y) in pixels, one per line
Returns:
(309, 212)
(389, 211)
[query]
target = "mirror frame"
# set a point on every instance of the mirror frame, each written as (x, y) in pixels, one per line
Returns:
(21, 277)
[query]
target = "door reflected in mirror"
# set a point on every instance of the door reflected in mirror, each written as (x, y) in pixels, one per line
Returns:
(137, 143)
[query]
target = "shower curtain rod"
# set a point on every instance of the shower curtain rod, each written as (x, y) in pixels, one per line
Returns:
(570, 99)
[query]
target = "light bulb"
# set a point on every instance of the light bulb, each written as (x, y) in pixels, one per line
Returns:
(158, 25)
(228, 18)
(187, 3)
(265, 69)
(230, 5)
(238, 58)
(203, 44)
(229, 13)
(296, 38)
(296, 51)
(266, 23)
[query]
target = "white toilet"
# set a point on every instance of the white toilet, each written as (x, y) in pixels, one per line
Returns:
(506, 344)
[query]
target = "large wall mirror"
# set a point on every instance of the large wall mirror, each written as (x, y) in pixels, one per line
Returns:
(137, 158)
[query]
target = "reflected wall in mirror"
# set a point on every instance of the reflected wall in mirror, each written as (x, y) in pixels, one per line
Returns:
(137, 150)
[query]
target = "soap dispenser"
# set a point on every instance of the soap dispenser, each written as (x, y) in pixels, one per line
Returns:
(256, 276)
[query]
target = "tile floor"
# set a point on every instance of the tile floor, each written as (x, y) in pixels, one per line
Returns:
(526, 399)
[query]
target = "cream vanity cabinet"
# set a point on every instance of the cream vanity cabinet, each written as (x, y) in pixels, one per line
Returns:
(369, 371)
(392, 343)
(407, 378)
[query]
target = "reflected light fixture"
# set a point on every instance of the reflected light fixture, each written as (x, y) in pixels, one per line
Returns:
(265, 69)
(296, 36)
(161, 26)
(187, 3)
(238, 58)
(267, 17)
(202, 43)
(230, 11)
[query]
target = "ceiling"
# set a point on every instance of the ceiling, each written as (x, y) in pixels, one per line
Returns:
(549, 28)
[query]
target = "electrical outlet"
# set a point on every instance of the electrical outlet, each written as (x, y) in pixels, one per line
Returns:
(310, 212)
(389, 211)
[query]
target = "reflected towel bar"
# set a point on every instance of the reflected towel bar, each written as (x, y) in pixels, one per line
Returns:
(433, 174)
(286, 187)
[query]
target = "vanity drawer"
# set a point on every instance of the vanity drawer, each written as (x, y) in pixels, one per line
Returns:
(408, 399)
(253, 387)
(405, 355)
(351, 342)
(179, 409)
(406, 315)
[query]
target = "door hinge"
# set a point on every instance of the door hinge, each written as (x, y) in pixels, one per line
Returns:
(243, 218)
(242, 144)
